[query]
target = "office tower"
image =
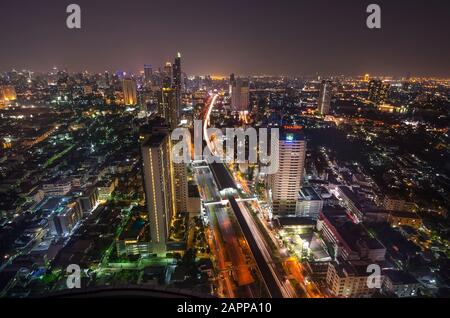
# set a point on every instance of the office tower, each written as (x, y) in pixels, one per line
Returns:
(324, 101)
(286, 183)
(378, 91)
(148, 74)
(240, 94)
(167, 75)
(167, 107)
(129, 91)
(158, 184)
(177, 72)
(366, 78)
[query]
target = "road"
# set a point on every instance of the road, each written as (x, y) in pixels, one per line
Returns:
(278, 286)
(296, 269)
(226, 244)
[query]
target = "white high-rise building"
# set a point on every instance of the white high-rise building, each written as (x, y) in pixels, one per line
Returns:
(286, 183)
(309, 203)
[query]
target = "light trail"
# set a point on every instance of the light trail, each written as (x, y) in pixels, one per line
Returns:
(283, 287)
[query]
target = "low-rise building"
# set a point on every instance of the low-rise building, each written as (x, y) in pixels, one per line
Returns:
(57, 188)
(309, 203)
(401, 218)
(194, 202)
(106, 187)
(400, 284)
(134, 239)
(88, 199)
(350, 240)
(349, 279)
(63, 220)
(396, 204)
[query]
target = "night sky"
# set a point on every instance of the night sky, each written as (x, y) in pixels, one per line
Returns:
(290, 37)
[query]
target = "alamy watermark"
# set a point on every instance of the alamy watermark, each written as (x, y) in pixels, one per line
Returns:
(374, 279)
(74, 276)
(257, 150)
(373, 21)
(73, 20)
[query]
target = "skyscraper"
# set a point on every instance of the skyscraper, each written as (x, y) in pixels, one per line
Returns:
(324, 101)
(171, 178)
(240, 94)
(167, 107)
(167, 75)
(129, 91)
(378, 91)
(159, 191)
(177, 72)
(176, 83)
(286, 183)
(148, 74)
(232, 82)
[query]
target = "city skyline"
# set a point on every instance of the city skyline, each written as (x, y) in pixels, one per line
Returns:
(325, 174)
(317, 37)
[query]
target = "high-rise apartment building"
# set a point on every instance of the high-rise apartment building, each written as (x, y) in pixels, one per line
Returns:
(378, 91)
(159, 191)
(148, 74)
(240, 94)
(170, 180)
(286, 183)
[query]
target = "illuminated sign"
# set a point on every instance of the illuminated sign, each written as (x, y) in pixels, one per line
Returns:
(292, 127)
(289, 137)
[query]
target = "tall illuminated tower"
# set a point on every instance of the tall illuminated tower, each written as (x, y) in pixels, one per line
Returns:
(176, 83)
(129, 91)
(177, 72)
(167, 75)
(286, 183)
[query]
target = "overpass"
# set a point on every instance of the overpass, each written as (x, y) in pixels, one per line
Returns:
(261, 254)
